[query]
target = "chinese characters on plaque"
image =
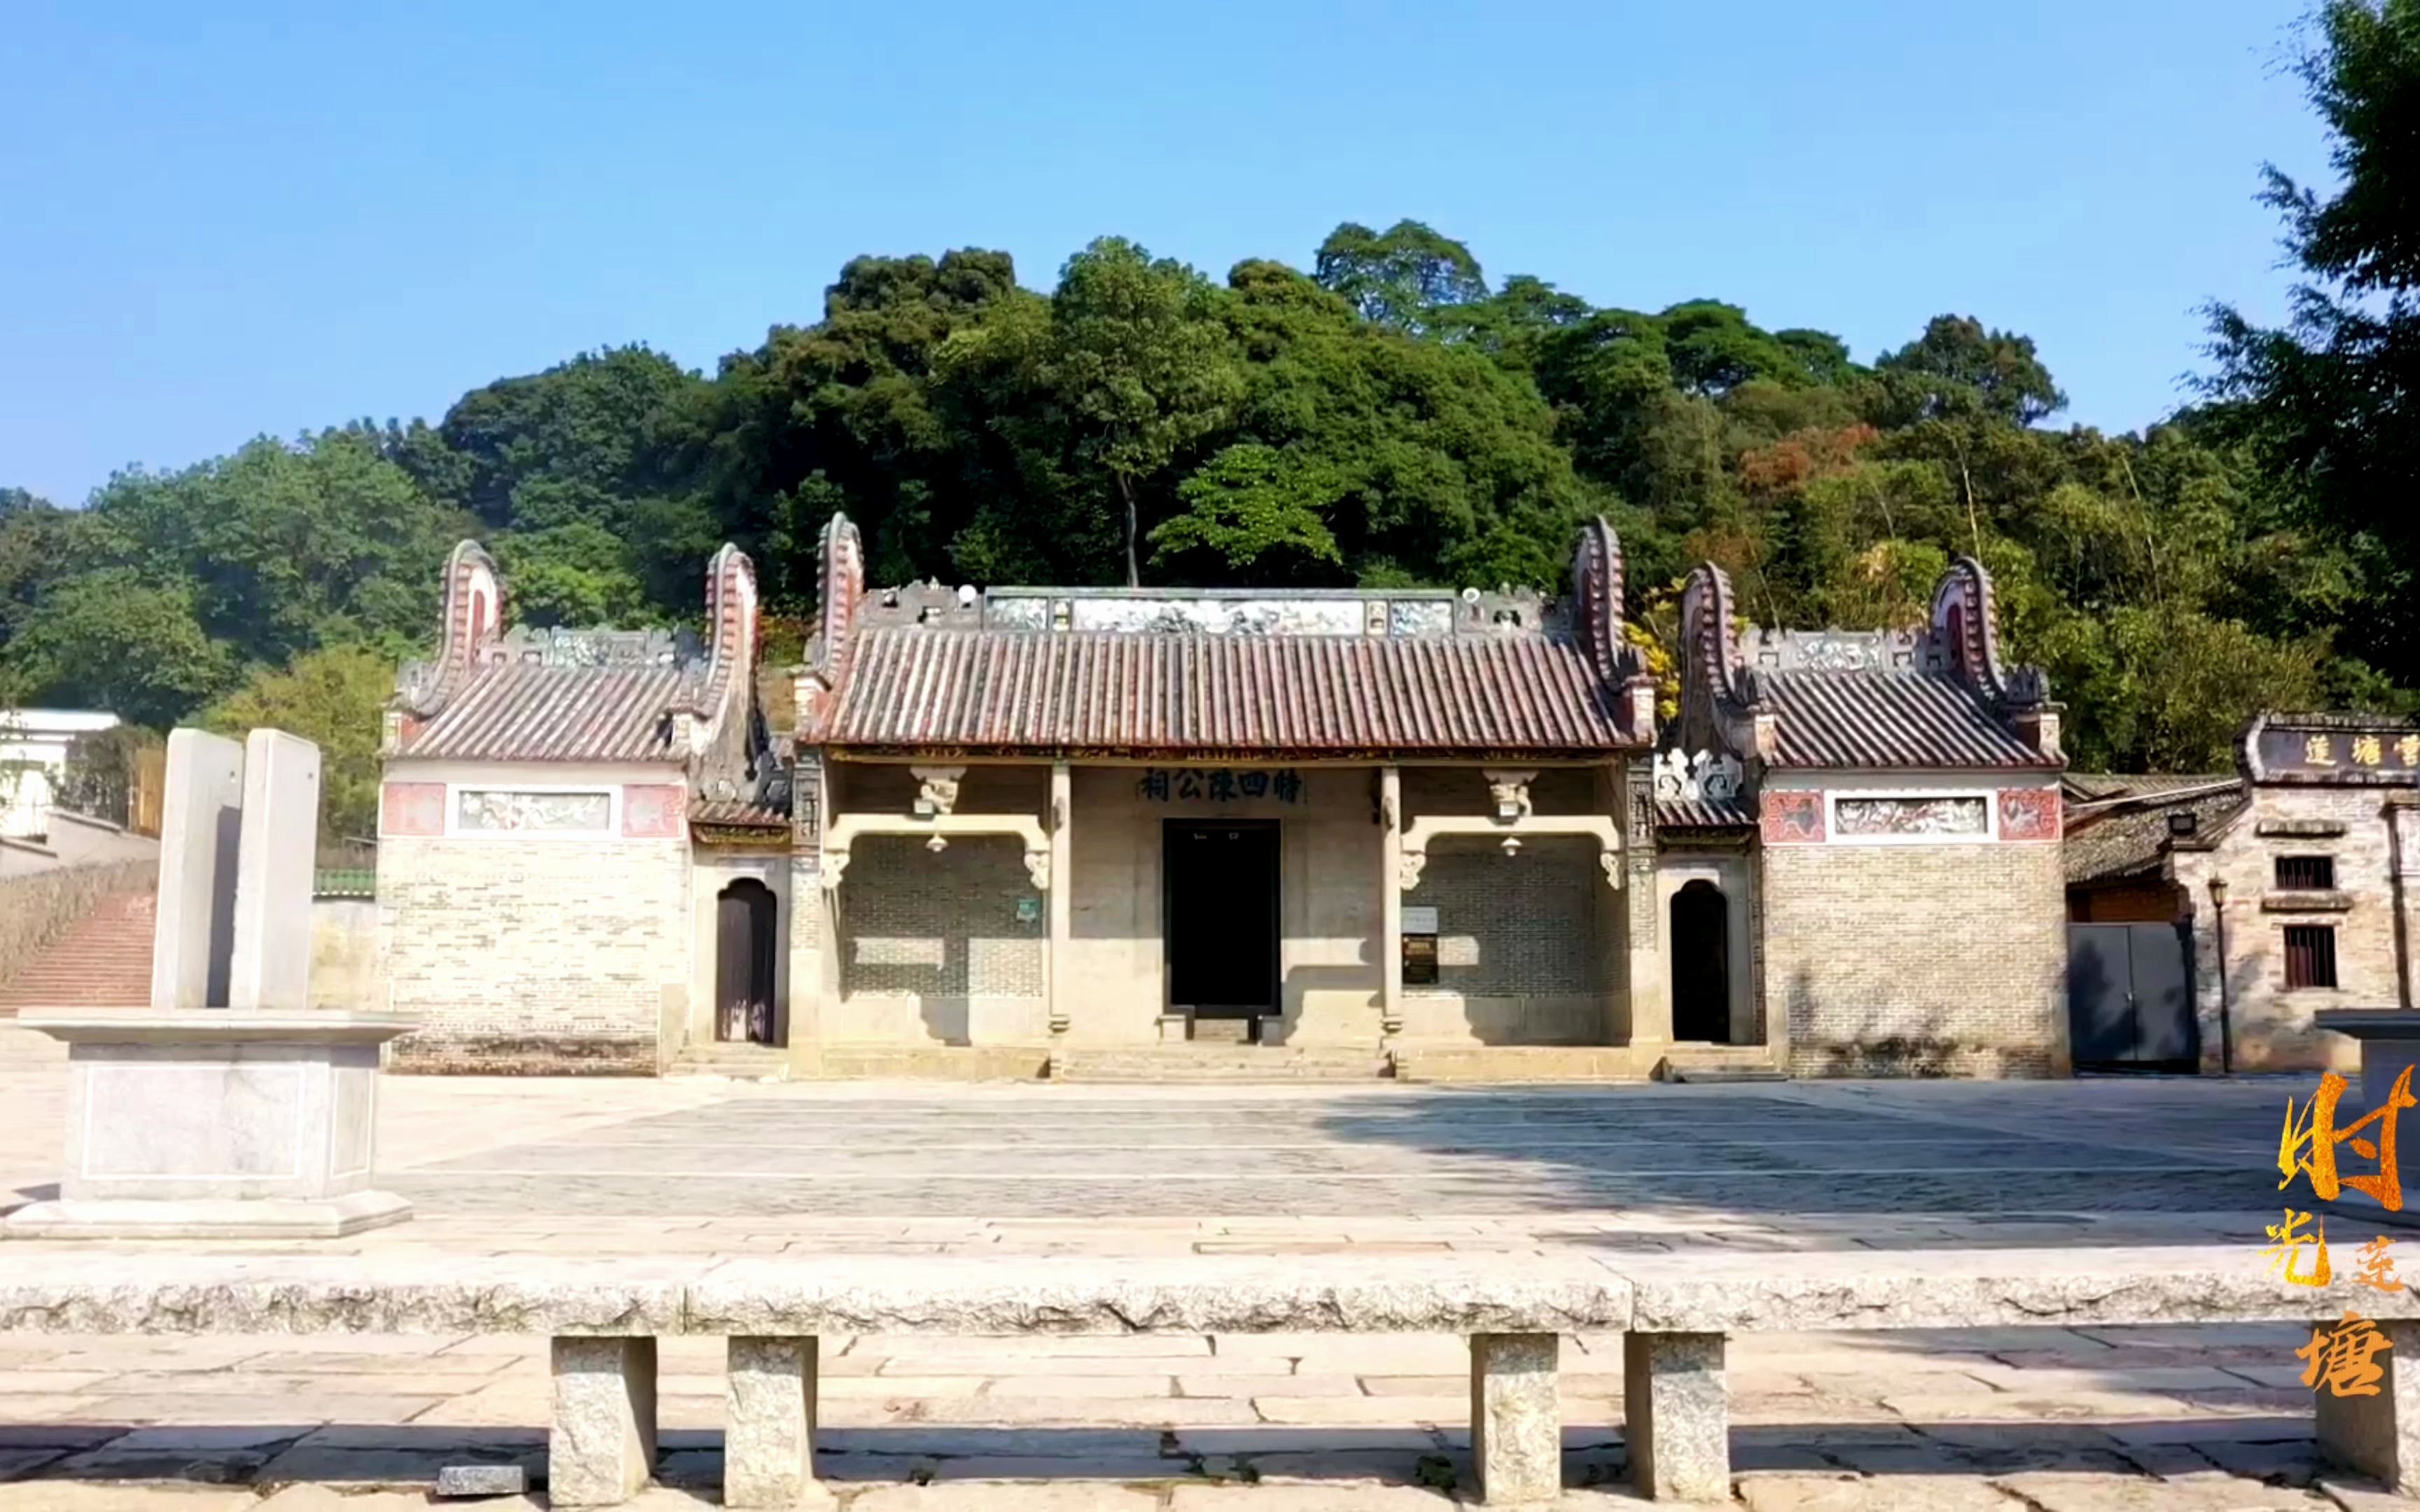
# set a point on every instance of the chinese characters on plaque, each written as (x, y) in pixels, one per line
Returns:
(2337, 752)
(2341, 1357)
(1219, 784)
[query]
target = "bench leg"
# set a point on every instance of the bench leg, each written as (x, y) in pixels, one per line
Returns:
(769, 1439)
(1676, 1410)
(2380, 1436)
(1516, 1418)
(602, 1447)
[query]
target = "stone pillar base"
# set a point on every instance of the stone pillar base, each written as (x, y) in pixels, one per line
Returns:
(208, 1217)
(1677, 1410)
(200, 1124)
(2379, 1436)
(1517, 1419)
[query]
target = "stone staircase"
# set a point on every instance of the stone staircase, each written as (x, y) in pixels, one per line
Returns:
(737, 1060)
(102, 960)
(1719, 1063)
(1197, 1062)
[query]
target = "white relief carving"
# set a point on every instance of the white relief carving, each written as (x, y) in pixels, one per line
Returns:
(1908, 816)
(1407, 871)
(1710, 774)
(501, 808)
(1611, 862)
(937, 791)
(1218, 616)
(835, 862)
(1037, 866)
(1508, 793)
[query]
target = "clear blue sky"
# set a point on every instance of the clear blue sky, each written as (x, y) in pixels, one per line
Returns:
(223, 220)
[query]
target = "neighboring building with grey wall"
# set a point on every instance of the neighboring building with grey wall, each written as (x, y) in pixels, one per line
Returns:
(2287, 882)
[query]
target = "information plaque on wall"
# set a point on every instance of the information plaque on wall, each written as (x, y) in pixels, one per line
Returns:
(1419, 961)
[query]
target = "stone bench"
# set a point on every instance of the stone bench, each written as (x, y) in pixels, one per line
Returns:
(1676, 1311)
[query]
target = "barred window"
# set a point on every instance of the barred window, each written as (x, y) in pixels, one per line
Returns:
(2310, 955)
(2310, 874)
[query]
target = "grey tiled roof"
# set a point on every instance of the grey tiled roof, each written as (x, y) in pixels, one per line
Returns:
(1703, 813)
(924, 687)
(1871, 718)
(2117, 825)
(531, 712)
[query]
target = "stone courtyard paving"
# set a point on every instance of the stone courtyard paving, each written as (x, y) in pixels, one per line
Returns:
(1812, 1173)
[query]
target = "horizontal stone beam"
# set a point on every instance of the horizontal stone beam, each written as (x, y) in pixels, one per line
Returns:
(68, 1291)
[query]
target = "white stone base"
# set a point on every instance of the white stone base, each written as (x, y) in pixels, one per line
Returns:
(208, 1217)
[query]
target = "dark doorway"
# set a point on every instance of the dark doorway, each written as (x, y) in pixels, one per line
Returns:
(1702, 964)
(743, 962)
(2129, 998)
(1221, 883)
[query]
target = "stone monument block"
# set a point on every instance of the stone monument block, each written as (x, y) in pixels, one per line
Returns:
(201, 811)
(277, 851)
(228, 1108)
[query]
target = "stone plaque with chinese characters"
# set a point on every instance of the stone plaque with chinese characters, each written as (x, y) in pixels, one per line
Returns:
(2334, 750)
(1219, 784)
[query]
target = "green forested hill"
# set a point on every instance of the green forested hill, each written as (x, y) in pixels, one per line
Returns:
(1389, 414)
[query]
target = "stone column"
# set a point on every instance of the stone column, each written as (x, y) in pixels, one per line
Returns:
(2379, 1436)
(808, 906)
(1644, 972)
(769, 1442)
(1059, 896)
(201, 814)
(2403, 853)
(1677, 1413)
(601, 1449)
(1390, 901)
(278, 850)
(1516, 1418)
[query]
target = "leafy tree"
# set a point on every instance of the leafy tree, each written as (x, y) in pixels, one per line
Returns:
(1404, 277)
(1958, 368)
(112, 639)
(336, 698)
(1259, 512)
(578, 574)
(1138, 363)
(2331, 401)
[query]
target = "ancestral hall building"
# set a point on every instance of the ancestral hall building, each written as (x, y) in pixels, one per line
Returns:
(1031, 831)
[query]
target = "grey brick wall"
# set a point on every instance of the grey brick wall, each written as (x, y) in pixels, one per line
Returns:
(537, 957)
(942, 925)
(1916, 959)
(1532, 915)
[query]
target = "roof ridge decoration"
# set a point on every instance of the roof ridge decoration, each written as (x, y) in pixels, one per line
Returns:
(840, 586)
(1966, 625)
(731, 634)
(473, 620)
(1597, 625)
(1720, 703)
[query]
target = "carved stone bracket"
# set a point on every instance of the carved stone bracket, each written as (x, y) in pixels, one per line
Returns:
(1508, 793)
(939, 791)
(842, 831)
(1509, 835)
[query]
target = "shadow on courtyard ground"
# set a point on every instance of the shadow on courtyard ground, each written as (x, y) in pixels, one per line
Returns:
(2278, 1448)
(2094, 1161)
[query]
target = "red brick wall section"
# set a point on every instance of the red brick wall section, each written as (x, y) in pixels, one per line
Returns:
(1792, 817)
(411, 809)
(653, 810)
(2029, 813)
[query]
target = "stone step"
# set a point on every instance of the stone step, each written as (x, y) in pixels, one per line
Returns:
(1198, 1062)
(716, 1058)
(1712, 1063)
(21, 1047)
(103, 960)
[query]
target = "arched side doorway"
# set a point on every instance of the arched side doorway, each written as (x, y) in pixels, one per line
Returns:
(743, 962)
(1701, 963)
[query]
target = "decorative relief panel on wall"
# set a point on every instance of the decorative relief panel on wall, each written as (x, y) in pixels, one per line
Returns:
(1793, 818)
(654, 811)
(497, 809)
(1926, 818)
(411, 809)
(1220, 616)
(2029, 813)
